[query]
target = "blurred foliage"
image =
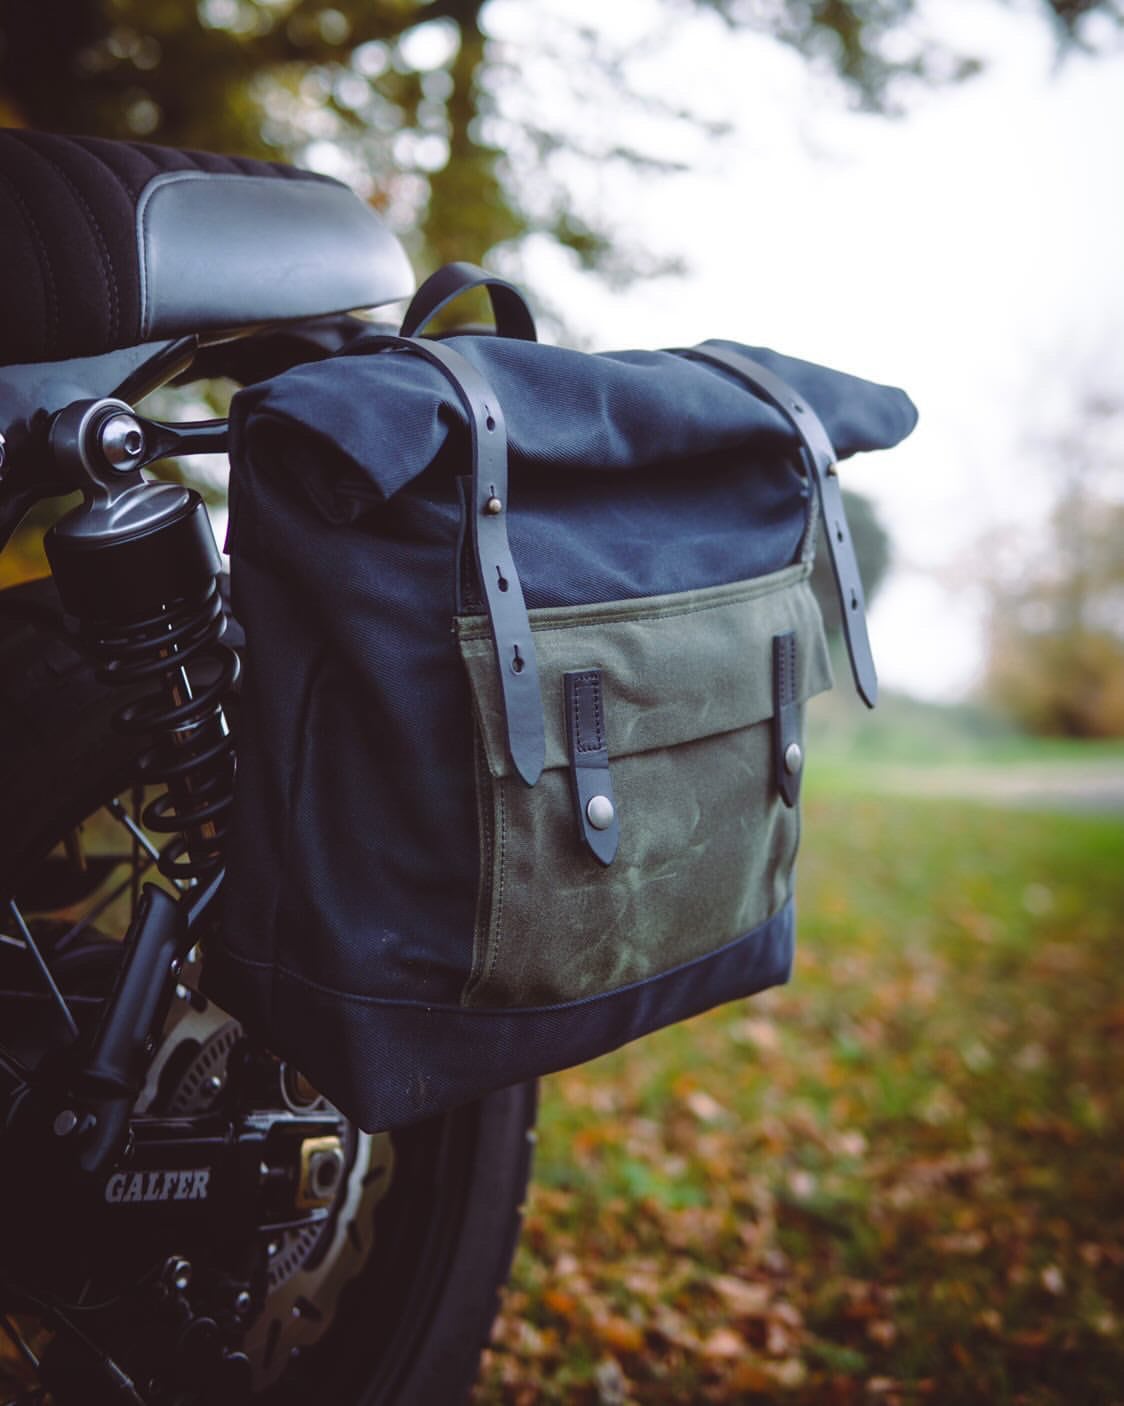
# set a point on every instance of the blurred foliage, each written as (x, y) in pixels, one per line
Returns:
(430, 116)
(1056, 624)
(418, 106)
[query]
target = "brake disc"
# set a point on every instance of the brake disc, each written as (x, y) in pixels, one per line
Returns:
(307, 1268)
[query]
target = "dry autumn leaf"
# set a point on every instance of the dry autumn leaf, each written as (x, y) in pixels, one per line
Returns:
(724, 1343)
(618, 1333)
(743, 1299)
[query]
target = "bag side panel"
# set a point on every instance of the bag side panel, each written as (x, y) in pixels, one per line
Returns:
(707, 845)
(355, 826)
(706, 855)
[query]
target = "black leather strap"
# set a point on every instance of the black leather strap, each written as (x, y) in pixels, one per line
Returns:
(590, 778)
(820, 459)
(503, 595)
(513, 317)
(788, 755)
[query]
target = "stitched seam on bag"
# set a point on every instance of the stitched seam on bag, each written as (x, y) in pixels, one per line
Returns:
(626, 617)
(786, 669)
(445, 1007)
(486, 803)
(498, 900)
(589, 681)
(473, 661)
(475, 629)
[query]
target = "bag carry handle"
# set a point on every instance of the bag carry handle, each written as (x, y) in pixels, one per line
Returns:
(503, 595)
(513, 316)
(820, 458)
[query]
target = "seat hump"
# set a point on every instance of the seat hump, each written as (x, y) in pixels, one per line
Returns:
(111, 243)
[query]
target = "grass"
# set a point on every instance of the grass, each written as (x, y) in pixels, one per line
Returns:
(898, 1179)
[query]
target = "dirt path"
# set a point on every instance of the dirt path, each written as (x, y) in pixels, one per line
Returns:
(1089, 786)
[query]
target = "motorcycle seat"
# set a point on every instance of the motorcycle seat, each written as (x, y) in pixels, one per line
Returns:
(111, 244)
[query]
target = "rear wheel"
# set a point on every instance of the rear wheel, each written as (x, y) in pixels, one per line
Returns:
(388, 1299)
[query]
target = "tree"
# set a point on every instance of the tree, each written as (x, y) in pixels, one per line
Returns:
(1056, 612)
(406, 98)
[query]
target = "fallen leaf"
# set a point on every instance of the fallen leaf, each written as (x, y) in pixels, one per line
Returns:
(778, 1340)
(990, 1319)
(705, 1108)
(882, 1331)
(742, 1298)
(790, 1373)
(748, 1378)
(801, 1183)
(960, 1242)
(619, 1333)
(724, 1342)
(1053, 1280)
(610, 1383)
(562, 1303)
(761, 1033)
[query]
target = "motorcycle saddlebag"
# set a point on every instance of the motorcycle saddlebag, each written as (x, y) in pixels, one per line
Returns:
(529, 637)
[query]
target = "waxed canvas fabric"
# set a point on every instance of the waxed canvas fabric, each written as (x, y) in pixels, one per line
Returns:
(688, 714)
(356, 878)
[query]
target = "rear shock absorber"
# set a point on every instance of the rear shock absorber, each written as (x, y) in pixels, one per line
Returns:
(136, 564)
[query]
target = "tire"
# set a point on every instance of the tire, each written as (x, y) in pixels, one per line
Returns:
(409, 1327)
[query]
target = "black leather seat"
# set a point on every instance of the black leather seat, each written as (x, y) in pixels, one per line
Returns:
(109, 244)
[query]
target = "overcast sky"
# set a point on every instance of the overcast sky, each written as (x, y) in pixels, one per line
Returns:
(971, 252)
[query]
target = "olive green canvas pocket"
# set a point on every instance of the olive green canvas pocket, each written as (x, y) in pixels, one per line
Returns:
(707, 843)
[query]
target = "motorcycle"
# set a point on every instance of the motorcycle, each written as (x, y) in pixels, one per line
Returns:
(183, 1218)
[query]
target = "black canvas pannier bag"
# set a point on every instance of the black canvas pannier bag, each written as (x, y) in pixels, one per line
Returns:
(529, 638)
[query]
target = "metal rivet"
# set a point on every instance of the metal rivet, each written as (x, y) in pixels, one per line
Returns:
(493, 506)
(793, 758)
(600, 812)
(177, 1272)
(832, 471)
(65, 1122)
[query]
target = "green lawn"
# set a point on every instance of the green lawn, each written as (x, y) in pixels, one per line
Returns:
(899, 1179)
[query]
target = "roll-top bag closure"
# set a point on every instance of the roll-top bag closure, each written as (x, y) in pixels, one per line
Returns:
(525, 729)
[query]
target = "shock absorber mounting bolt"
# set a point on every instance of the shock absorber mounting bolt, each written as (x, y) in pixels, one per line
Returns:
(121, 441)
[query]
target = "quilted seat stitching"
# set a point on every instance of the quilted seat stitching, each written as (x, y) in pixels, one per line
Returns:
(44, 258)
(139, 163)
(109, 277)
(125, 186)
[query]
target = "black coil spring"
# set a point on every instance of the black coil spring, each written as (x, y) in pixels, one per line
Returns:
(192, 753)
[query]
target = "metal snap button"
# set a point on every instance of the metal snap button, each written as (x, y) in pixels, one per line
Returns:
(793, 758)
(600, 812)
